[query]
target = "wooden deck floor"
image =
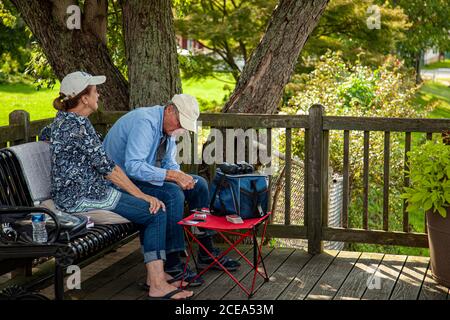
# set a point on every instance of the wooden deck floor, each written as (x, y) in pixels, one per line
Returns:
(294, 274)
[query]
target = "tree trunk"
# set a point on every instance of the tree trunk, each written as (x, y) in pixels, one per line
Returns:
(151, 52)
(70, 50)
(417, 67)
(264, 77)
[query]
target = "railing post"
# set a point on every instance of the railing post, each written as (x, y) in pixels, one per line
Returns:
(315, 179)
(20, 118)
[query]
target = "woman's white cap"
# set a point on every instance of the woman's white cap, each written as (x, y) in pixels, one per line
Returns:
(75, 82)
(188, 110)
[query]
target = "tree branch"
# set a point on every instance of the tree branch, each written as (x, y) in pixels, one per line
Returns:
(95, 18)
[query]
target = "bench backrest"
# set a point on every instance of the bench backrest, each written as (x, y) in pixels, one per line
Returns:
(35, 163)
(13, 187)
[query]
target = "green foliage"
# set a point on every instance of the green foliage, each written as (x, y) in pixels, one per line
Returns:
(230, 29)
(353, 89)
(39, 68)
(14, 42)
(430, 27)
(429, 171)
(343, 27)
(115, 37)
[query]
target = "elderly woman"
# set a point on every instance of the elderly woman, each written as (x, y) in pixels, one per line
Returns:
(82, 175)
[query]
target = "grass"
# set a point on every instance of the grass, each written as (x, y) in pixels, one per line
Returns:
(210, 92)
(437, 65)
(439, 95)
(23, 95)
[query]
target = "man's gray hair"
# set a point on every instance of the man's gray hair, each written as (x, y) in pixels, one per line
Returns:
(170, 103)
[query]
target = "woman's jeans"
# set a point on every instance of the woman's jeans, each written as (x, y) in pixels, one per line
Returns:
(174, 197)
(152, 227)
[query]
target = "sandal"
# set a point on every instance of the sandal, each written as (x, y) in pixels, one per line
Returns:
(169, 296)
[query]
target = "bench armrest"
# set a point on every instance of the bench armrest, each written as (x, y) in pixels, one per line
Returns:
(13, 210)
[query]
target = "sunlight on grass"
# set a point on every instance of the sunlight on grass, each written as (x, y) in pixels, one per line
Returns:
(210, 92)
(437, 65)
(21, 96)
(439, 94)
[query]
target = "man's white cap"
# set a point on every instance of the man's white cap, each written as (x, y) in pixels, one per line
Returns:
(75, 82)
(188, 109)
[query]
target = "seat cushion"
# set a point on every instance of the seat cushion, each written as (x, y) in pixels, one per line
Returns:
(34, 159)
(99, 217)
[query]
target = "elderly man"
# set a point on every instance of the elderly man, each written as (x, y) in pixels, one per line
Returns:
(142, 143)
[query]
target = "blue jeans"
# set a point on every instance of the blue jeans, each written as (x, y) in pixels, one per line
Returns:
(152, 227)
(174, 197)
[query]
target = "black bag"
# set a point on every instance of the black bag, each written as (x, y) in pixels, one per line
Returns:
(17, 227)
(243, 194)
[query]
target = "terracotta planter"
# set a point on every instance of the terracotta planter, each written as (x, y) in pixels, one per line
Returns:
(439, 243)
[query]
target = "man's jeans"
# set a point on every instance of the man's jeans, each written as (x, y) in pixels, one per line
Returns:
(174, 197)
(152, 227)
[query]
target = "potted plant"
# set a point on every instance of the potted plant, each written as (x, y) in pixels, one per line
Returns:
(429, 172)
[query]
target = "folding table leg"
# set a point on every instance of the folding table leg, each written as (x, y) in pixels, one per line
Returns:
(258, 256)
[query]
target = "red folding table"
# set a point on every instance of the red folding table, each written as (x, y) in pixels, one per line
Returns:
(243, 230)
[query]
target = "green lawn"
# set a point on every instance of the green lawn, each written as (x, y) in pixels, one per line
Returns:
(13, 96)
(210, 92)
(437, 65)
(437, 93)
(25, 96)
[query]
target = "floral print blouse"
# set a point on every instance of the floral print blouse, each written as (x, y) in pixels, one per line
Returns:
(79, 165)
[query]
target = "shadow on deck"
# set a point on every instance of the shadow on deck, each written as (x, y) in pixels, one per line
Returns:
(294, 275)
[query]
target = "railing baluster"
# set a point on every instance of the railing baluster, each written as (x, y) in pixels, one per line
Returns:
(429, 137)
(315, 186)
(406, 181)
(366, 181)
(269, 153)
(345, 189)
(387, 136)
(287, 177)
(325, 178)
(305, 179)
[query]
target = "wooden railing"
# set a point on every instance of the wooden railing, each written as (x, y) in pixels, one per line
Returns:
(316, 127)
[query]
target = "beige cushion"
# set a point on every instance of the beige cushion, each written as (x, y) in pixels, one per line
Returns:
(97, 216)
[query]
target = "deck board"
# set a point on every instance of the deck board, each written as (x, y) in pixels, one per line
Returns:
(411, 278)
(305, 280)
(281, 278)
(356, 283)
(294, 275)
(334, 276)
(274, 261)
(217, 289)
(388, 272)
(431, 290)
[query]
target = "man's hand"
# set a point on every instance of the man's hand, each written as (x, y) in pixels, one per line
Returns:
(185, 181)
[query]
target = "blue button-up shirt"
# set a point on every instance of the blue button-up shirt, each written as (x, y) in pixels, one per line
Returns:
(133, 141)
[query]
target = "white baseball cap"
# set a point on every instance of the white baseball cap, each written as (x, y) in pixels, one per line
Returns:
(188, 109)
(75, 82)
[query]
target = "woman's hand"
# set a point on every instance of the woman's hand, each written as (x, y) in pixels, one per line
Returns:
(120, 179)
(155, 203)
